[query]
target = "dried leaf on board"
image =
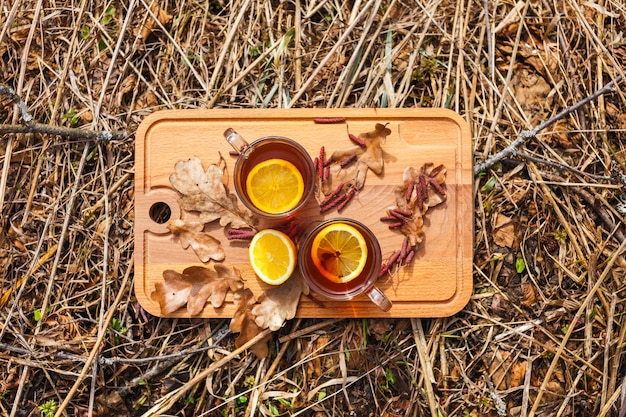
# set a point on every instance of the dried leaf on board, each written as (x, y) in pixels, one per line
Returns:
(373, 156)
(191, 234)
(194, 287)
(421, 190)
(279, 304)
(244, 324)
(370, 157)
(205, 192)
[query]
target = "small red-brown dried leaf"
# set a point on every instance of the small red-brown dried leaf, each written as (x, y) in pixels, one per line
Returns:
(244, 324)
(162, 17)
(529, 296)
(279, 304)
(191, 234)
(504, 231)
(518, 374)
(204, 192)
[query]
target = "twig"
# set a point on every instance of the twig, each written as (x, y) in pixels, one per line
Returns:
(97, 346)
(562, 167)
(112, 360)
(429, 378)
(10, 94)
(30, 126)
(172, 360)
(167, 401)
(528, 134)
(591, 200)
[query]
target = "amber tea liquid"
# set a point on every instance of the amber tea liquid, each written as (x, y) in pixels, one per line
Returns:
(335, 290)
(274, 148)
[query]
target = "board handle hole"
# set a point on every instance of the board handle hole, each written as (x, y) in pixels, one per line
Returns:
(160, 212)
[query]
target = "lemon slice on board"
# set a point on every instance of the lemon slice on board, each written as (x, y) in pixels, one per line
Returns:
(339, 252)
(275, 186)
(272, 256)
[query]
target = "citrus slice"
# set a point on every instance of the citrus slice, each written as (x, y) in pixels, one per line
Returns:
(339, 252)
(272, 256)
(275, 186)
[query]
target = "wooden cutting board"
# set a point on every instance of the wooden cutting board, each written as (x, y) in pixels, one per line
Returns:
(438, 283)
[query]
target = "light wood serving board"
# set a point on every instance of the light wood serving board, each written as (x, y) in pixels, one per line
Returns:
(438, 283)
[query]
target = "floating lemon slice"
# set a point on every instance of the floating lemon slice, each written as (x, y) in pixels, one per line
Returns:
(272, 256)
(275, 186)
(339, 252)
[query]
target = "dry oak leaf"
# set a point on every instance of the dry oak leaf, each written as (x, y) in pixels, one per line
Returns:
(370, 157)
(191, 234)
(279, 304)
(205, 192)
(244, 324)
(194, 287)
(161, 15)
(504, 231)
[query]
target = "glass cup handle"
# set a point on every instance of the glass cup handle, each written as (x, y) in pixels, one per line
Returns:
(379, 299)
(236, 141)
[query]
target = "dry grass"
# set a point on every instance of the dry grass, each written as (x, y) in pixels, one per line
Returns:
(546, 340)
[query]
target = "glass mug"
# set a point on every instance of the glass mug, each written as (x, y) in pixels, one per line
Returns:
(264, 149)
(364, 283)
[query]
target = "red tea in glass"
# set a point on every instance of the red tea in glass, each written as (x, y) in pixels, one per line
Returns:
(316, 271)
(271, 148)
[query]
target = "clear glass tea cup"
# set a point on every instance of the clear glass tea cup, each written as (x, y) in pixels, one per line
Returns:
(264, 149)
(364, 283)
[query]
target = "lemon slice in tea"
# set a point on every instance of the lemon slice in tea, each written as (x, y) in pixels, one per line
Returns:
(275, 186)
(339, 252)
(272, 256)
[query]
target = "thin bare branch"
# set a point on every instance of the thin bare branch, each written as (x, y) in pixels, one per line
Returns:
(524, 135)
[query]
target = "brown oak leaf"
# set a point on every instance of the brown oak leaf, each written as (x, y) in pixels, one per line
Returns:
(370, 157)
(373, 155)
(193, 287)
(244, 324)
(279, 304)
(162, 16)
(205, 192)
(191, 234)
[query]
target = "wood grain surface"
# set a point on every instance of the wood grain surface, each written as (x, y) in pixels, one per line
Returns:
(438, 283)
